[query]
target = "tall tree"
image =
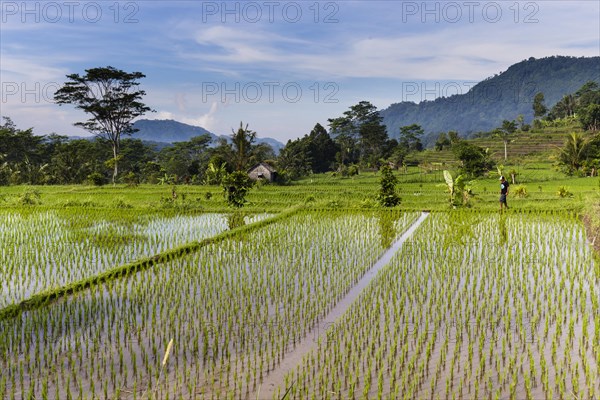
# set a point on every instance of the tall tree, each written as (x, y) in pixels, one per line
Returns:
(564, 108)
(589, 117)
(112, 98)
(322, 149)
(345, 135)
(360, 132)
(410, 137)
(442, 141)
(505, 133)
(242, 141)
(474, 159)
(539, 108)
(295, 158)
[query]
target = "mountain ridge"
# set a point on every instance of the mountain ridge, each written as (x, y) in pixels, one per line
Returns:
(502, 96)
(170, 131)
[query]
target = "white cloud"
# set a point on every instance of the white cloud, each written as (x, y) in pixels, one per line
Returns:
(402, 51)
(30, 69)
(207, 121)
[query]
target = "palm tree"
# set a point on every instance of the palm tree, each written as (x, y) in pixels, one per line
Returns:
(242, 142)
(573, 153)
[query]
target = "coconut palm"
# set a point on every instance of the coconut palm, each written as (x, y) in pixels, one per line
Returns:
(573, 152)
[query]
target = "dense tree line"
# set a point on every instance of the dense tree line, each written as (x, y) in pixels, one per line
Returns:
(580, 153)
(583, 105)
(356, 140)
(26, 158)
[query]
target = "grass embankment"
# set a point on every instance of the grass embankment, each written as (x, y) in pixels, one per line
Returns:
(420, 188)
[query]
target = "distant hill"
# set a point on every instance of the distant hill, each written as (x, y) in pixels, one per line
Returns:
(503, 96)
(170, 131)
(167, 131)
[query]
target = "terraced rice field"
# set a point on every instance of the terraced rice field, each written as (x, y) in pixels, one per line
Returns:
(471, 305)
(42, 251)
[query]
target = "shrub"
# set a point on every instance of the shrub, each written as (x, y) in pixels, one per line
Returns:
(96, 178)
(353, 170)
(29, 198)
(235, 187)
(130, 179)
(564, 192)
(387, 196)
(121, 204)
(520, 191)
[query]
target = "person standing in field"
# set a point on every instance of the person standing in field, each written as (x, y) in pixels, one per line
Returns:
(503, 192)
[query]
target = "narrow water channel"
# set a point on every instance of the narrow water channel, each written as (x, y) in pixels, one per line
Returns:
(275, 377)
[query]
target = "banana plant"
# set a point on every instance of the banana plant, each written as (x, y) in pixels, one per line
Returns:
(460, 191)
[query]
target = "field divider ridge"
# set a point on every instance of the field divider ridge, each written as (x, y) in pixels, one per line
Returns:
(44, 298)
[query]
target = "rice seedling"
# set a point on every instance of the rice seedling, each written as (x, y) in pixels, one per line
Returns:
(47, 250)
(477, 314)
(229, 311)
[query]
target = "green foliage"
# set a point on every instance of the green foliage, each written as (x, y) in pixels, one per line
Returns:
(186, 160)
(352, 170)
(539, 108)
(214, 174)
(520, 191)
(295, 159)
(574, 152)
(283, 178)
(30, 197)
(235, 188)
(590, 117)
(236, 220)
(309, 199)
(563, 192)
(312, 153)
(460, 191)
(410, 137)
(475, 161)
(131, 179)
(505, 132)
(96, 178)
(584, 105)
(109, 96)
(387, 196)
(242, 142)
(360, 135)
(120, 203)
(442, 142)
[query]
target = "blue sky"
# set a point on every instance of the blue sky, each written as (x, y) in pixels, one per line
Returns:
(279, 66)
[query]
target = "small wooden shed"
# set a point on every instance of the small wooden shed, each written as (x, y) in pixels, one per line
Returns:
(262, 171)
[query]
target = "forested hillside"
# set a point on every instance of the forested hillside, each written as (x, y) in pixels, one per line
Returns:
(503, 96)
